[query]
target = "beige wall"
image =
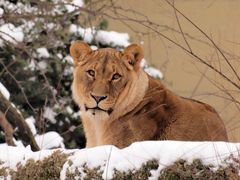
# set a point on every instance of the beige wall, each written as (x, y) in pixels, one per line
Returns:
(183, 74)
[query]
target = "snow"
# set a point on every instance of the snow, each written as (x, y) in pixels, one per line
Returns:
(113, 39)
(110, 38)
(11, 156)
(1, 11)
(4, 91)
(42, 65)
(59, 55)
(77, 2)
(93, 47)
(49, 140)
(132, 157)
(49, 114)
(11, 33)
(166, 152)
(76, 114)
(73, 5)
(43, 52)
(69, 110)
(31, 124)
(151, 70)
(154, 72)
(31, 65)
(68, 59)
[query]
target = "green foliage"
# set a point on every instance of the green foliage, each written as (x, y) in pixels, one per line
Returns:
(103, 25)
(35, 81)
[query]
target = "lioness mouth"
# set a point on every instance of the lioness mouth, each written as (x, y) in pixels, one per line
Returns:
(109, 111)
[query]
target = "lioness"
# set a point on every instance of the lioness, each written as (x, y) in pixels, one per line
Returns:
(121, 104)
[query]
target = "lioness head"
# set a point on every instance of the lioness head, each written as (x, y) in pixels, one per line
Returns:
(106, 81)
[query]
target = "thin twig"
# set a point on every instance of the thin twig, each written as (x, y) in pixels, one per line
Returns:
(19, 86)
(210, 39)
(180, 46)
(180, 28)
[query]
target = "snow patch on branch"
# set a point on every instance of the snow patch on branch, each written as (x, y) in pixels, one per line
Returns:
(1, 11)
(73, 5)
(43, 52)
(151, 70)
(110, 38)
(31, 124)
(4, 91)
(11, 33)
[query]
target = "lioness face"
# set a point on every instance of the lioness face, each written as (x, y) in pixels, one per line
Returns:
(100, 80)
(102, 77)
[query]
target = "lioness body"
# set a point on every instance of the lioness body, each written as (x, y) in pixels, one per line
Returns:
(121, 104)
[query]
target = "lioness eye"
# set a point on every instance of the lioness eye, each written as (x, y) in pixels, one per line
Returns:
(91, 73)
(116, 76)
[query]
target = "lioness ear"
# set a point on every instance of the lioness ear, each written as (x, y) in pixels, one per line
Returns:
(79, 50)
(134, 54)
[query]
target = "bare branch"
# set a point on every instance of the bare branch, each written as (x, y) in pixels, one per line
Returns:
(16, 119)
(210, 39)
(180, 27)
(7, 128)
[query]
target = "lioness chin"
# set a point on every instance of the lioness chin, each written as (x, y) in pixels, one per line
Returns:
(121, 104)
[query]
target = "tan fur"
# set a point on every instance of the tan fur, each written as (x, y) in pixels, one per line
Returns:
(134, 106)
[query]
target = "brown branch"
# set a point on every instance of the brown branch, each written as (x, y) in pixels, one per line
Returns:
(114, 9)
(198, 83)
(180, 28)
(7, 128)
(16, 120)
(19, 86)
(203, 61)
(23, 47)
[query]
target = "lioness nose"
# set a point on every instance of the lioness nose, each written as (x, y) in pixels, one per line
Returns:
(98, 98)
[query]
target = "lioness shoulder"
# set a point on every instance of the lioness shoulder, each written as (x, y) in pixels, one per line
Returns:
(121, 104)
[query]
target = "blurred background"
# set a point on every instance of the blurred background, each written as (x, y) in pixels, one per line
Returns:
(194, 43)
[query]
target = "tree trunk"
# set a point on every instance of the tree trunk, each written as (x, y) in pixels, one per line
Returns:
(7, 128)
(16, 120)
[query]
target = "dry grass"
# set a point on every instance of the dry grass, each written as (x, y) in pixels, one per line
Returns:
(3, 171)
(50, 168)
(197, 170)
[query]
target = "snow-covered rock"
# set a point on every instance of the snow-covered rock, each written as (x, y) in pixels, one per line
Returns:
(130, 158)
(166, 152)
(11, 156)
(49, 140)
